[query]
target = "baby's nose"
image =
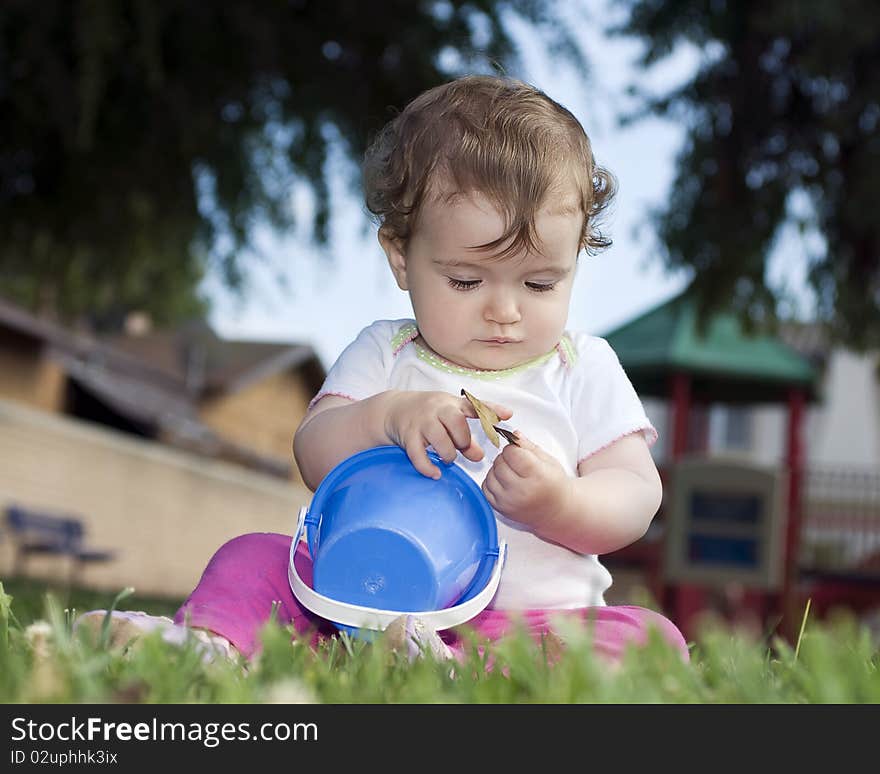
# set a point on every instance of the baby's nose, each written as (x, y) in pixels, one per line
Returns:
(502, 308)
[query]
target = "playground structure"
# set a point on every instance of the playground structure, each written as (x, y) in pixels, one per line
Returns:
(733, 536)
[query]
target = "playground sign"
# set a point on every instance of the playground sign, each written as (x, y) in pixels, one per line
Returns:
(725, 523)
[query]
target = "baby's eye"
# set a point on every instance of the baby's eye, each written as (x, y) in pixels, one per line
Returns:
(540, 287)
(463, 284)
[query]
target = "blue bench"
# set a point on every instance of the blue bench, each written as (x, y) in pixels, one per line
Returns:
(34, 532)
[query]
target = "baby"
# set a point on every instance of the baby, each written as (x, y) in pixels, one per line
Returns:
(485, 191)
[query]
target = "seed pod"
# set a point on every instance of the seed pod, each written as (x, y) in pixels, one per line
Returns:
(488, 421)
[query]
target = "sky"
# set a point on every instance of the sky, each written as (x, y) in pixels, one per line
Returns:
(299, 293)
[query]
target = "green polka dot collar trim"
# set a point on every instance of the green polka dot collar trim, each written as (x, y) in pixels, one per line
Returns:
(409, 333)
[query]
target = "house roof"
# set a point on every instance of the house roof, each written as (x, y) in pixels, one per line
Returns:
(725, 362)
(159, 379)
(31, 326)
(206, 364)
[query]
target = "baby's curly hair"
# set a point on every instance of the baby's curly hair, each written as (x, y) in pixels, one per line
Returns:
(501, 137)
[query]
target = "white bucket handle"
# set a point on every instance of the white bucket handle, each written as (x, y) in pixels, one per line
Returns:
(372, 618)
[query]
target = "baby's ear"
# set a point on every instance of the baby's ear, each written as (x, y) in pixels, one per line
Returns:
(393, 247)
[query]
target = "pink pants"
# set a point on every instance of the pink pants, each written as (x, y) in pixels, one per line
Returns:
(235, 596)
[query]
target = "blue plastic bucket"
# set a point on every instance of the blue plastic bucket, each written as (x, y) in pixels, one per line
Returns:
(382, 535)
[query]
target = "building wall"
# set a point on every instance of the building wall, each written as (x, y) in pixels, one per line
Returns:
(845, 429)
(842, 430)
(164, 511)
(28, 377)
(263, 416)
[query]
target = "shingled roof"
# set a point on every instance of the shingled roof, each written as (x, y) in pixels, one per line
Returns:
(206, 364)
(158, 379)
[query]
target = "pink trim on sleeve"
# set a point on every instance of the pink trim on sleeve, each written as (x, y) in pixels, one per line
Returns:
(320, 395)
(651, 437)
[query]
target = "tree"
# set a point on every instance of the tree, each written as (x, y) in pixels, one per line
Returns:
(786, 100)
(141, 141)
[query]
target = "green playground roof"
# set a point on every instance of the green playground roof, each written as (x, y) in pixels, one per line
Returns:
(726, 363)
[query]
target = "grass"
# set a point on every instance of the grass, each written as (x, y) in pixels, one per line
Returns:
(832, 662)
(30, 599)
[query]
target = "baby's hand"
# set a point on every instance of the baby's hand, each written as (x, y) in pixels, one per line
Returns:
(418, 419)
(527, 484)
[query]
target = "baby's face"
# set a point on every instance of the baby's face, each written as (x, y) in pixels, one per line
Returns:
(476, 310)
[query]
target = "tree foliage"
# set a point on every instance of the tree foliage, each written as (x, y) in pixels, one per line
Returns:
(142, 141)
(786, 100)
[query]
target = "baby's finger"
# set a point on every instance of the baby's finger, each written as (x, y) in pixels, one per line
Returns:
(530, 446)
(415, 450)
(504, 474)
(525, 443)
(457, 428)
(474, 452)
(520, 459)
(491, 490)
(439, 438)
(468, 410)
(502, 411)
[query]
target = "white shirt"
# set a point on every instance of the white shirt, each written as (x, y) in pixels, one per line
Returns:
(572, 402)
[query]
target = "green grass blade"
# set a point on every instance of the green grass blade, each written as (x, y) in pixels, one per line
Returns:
(797, 648)
(105, 625)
